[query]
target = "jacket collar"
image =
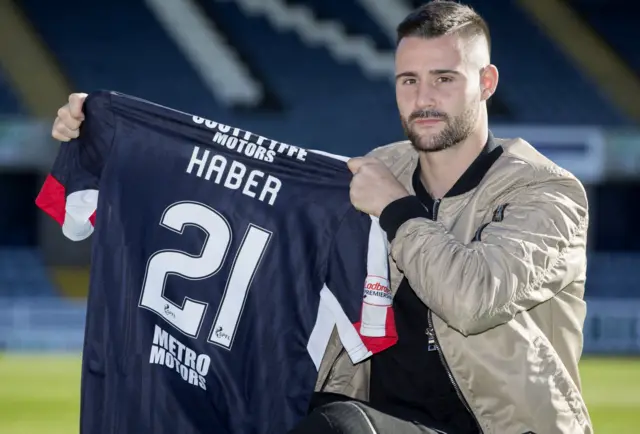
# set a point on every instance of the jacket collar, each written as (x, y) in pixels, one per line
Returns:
(469, 179)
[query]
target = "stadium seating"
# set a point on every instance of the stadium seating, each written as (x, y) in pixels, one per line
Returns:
(119, 45)
(29, 324)
(352, 16)
(17, 212)
(614, 22)
(9, 103)
(303, 75)
(318, 93)
(541, 86)
(613, 275)
(22, 274)
(140, 59)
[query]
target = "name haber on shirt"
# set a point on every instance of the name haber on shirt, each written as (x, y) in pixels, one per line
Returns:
(233, 174)
(173, 354)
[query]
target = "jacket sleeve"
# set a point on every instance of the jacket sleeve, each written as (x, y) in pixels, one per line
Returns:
(537, 249)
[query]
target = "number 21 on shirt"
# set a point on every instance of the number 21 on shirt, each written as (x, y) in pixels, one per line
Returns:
(188, 316)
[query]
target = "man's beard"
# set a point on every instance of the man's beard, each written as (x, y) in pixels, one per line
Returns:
(456, 129)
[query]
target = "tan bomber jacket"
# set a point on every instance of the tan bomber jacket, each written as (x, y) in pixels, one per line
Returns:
(502, 269)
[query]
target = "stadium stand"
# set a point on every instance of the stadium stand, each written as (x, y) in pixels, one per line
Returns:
(306, 78)
(16, 205)
(614, 22)
(36, 324)
(530, 88)
(99, 59)
(351, 15)
(138, 58)
(305, 82)
(9, 102)
(613, 275)
(23, 274)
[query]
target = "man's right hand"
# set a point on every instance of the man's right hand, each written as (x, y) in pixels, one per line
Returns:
(70, 117)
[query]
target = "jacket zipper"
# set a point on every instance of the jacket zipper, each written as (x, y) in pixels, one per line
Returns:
(436, 206)
(431, 332)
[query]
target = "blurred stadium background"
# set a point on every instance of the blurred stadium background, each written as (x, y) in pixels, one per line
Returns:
(315, 73)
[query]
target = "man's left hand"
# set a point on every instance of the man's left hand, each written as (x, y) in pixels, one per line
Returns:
(373, 186)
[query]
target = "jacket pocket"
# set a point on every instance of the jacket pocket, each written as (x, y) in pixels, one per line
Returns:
(498, 216)
(553, 371)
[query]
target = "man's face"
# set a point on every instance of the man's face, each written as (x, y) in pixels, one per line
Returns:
(437, 90)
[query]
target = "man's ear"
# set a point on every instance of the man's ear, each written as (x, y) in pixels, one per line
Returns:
(489, 81)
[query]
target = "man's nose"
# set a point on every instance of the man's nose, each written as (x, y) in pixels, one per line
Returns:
(426, 96)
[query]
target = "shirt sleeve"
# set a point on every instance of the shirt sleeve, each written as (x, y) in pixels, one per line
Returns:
(358, 287)
(69, 194)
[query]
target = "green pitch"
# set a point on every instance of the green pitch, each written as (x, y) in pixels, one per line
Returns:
(39, 394)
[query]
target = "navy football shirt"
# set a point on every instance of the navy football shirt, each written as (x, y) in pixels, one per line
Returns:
(221, 263)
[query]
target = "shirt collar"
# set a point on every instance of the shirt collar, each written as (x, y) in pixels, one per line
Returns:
(469, 179)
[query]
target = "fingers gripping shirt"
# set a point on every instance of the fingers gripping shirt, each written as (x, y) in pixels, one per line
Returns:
(222, 261)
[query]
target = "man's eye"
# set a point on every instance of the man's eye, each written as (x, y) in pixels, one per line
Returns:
(444, 79)
(409, 81)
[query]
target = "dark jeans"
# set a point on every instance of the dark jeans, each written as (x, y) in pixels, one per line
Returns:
(335, 414)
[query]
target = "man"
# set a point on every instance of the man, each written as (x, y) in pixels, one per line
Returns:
(488, 249)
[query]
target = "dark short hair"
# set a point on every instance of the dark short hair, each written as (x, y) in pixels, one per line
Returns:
(443, 17)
